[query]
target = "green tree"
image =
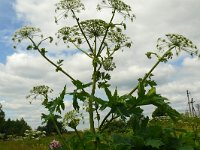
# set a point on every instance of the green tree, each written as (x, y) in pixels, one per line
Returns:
(49, 128)
(2, 118)
(103, 40)
(15, 127)
(21, 126)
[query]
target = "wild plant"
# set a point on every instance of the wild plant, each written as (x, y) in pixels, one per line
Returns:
(103, 40)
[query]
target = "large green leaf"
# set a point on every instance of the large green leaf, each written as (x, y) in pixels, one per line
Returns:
(80, 85)
(108, 93)
(186, 148)
(58, 103)
(155, 143)
(75, 101)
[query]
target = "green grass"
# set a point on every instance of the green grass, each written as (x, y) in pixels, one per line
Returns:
(41, 144)
(21, 145)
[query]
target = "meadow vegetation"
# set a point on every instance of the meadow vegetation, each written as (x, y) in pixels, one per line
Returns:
(124, 126)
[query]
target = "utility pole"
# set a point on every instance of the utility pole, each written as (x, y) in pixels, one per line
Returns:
(193, 110)
(188, 96)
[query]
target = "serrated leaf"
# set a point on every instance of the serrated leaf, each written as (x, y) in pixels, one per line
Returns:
(108, 93)
(124, 26)
(151, 92)
(148, 54)
(43, 51)
(99, 101)
(186, 148)
(50, 39)
(60, 61)
(62, 106)
(115, 95)
(75, 102)
(62, 95)
(155, 143)
(30, 47)
(80, 85)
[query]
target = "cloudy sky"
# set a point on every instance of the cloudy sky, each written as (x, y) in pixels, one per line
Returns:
(20, 70)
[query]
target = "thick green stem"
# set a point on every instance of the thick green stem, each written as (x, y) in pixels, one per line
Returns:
(92, 128)
(94, 80)
(151, 70)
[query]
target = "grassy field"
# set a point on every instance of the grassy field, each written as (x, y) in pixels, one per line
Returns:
(20, 145)
(27, 144)
(41, 144)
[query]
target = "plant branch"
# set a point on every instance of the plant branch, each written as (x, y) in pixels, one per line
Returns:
(58, 67)
(105, 35)
(105, 118)
(151, 70)
(79, 25)
(82, 50)
(113, 118)
(91, 99)
(42, 41)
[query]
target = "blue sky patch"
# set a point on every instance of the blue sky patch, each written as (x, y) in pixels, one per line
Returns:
(8, 24)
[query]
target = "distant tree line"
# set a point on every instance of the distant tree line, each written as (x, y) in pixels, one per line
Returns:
(49, 127)
(19, 126)
(12, 127)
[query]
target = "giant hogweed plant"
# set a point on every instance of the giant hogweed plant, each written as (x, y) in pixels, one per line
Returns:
(103, 40)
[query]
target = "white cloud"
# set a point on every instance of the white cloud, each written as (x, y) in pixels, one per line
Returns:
(23, 70)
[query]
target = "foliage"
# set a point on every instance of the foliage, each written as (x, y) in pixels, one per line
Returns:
(27, 144)
(158, 112)
(50, 129)
(12, 128)
(15, 127)
(2, 114)
(2, 119)
(104, 39)
(117, 126)
(187, 129)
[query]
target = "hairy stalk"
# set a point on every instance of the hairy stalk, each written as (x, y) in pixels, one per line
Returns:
(105, 35)
(51, 62)
(79, 25)
(98, 54)
(151, 70)
(94, 81)
(81, 50)
(92, 129)
(59, 68)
